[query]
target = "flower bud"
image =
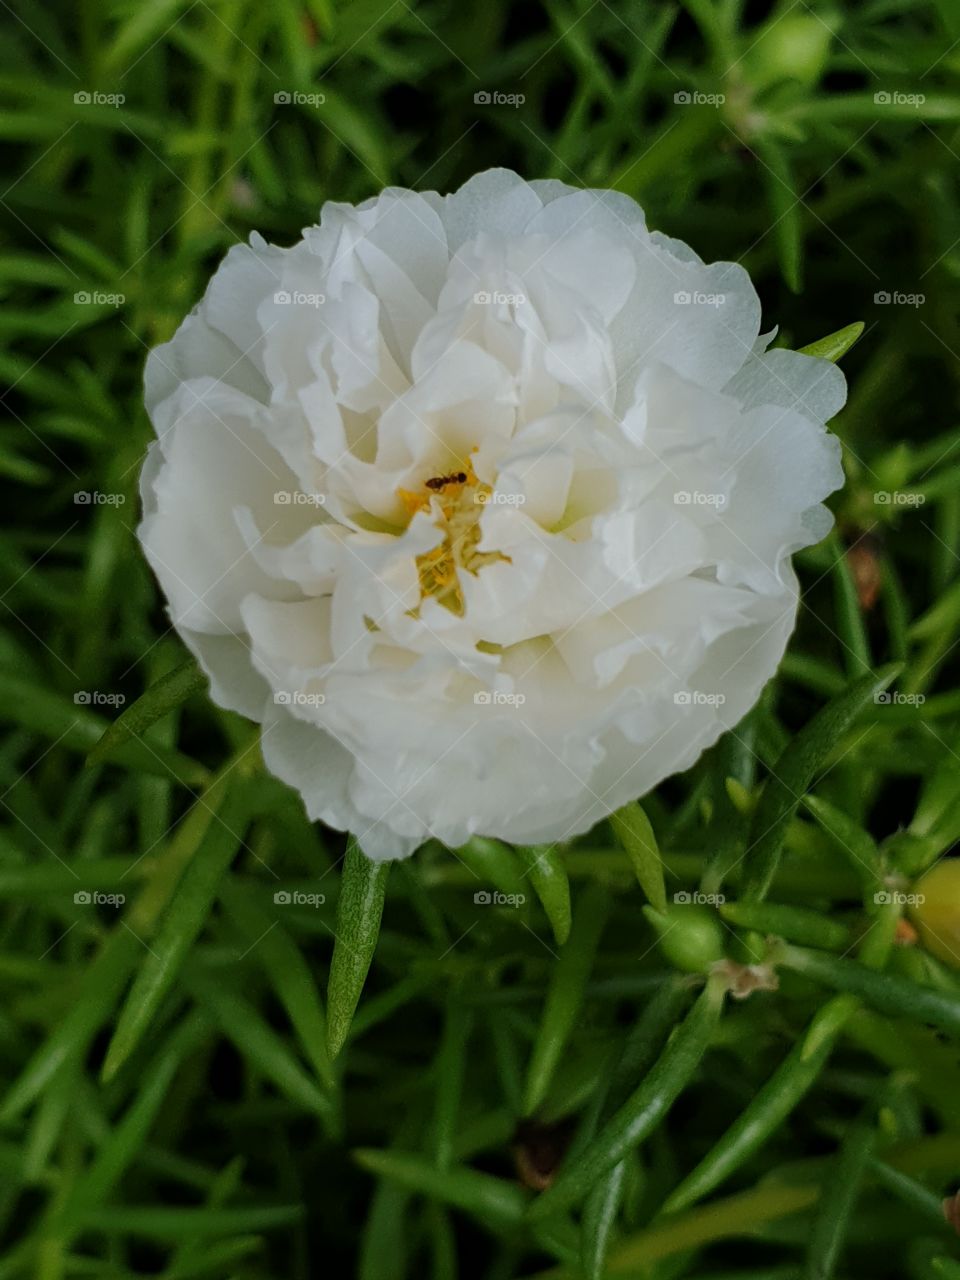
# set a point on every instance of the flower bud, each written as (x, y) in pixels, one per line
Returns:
(793, 47)
(690, 936)
(936, 912)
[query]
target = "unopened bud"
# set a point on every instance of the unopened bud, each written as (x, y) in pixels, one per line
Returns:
(690, 935)
(936, 912)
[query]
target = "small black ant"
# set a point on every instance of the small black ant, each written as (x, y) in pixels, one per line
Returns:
(439, 482)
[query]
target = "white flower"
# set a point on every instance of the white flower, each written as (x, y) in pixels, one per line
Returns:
(483, 505)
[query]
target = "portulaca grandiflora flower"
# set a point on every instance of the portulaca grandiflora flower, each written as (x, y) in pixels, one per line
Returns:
(483, 506)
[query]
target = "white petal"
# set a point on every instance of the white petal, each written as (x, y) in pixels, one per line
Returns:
(214, 461)
(496, 202)
(815, 388)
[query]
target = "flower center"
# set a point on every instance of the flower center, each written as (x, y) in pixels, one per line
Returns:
(459, 499)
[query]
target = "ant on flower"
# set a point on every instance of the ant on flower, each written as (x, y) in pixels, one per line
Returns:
(440, 482)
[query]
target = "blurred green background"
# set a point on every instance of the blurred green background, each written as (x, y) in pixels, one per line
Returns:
(819, 144)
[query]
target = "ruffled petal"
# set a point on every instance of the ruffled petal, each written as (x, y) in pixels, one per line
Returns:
(483, 505)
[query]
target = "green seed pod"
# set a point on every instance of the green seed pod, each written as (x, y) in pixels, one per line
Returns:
(794, 47)
(936, 911)
(691, 936)
(796, 924)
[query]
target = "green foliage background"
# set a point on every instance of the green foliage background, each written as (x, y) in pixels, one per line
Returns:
(169, 1106)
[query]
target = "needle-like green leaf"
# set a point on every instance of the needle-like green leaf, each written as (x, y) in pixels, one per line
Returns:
(632, 828)
(564, 997)
(215, 836)
(793, 774)
(642, 1111)
(169, 692)
(549, 878)
(834, 345)
(363, 885)
(462, 1188)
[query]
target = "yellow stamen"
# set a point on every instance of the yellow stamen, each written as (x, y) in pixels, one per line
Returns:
(461, 498)
(414, 502)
